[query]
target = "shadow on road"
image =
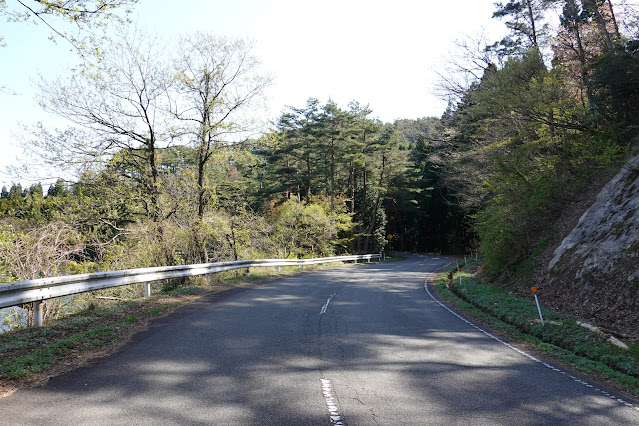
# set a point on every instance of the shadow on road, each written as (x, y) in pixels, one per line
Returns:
(257, 355)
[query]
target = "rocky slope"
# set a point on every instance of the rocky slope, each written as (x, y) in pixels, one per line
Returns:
(594, 271)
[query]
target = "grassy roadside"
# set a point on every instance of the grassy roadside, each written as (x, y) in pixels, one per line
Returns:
(561, 339)
(30, 356)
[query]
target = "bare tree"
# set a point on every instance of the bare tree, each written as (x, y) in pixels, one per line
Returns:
(117, 108)
(40, 252)
(464, 66)
(86, 16)
(218, 84)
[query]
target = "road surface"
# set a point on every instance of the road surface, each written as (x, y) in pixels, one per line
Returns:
(365, 345)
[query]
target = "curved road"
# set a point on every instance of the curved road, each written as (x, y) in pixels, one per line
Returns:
(366, 345)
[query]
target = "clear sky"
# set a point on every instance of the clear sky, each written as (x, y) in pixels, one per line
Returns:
(379, 53)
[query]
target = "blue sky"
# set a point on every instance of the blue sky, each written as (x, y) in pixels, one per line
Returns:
(379, 53)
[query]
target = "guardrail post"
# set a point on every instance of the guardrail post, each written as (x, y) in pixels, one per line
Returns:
(147, 289)
(248, 271)
(38, 317)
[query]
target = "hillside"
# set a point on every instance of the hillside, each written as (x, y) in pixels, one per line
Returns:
(591, 270)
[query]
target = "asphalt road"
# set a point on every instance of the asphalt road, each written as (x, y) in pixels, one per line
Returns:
(365, 345)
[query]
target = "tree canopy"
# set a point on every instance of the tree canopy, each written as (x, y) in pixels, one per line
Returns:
(173, 169)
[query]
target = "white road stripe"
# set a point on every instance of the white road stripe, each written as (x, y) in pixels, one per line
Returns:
(576, 380)
(325, 307)
(331, 402)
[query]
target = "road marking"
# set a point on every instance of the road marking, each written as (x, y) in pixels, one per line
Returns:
(325, 307)
(331, 403)
(545, 364)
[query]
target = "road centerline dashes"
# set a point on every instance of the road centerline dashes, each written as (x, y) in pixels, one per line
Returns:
(325, 307)
(331, 403)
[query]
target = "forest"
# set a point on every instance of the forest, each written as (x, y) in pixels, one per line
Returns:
(168, 166)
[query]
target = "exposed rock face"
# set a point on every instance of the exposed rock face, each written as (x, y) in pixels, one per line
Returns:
(595, 270)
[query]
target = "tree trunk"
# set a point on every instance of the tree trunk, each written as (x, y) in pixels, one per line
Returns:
(155, 192)
(200, 189)
(582, 61)
(614, 20)
(603, 27)
(532, 24)
(351, 189)
(363, 209)
(309, 172)
(371, 227)
(332, 185)
(204, 149)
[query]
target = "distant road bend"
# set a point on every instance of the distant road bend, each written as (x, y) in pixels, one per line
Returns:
(364, 345)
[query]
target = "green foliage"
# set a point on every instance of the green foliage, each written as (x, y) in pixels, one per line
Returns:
(534, 145)
(300, 227)
(530, 264)
(341, 156)
(420, 213)
(527, 134)
(615, 85)
(378, 233)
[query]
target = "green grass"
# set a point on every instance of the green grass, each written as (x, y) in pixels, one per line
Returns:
(529, 266)
(131, 319)
(160, 309)
(27, 351)
(561, 337)
(44, 357)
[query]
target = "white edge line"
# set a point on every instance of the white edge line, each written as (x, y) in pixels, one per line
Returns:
(545, 364)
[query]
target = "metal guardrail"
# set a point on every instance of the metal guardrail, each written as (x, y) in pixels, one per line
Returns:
(38, 290)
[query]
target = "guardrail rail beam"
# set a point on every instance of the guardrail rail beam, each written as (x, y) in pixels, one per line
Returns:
(38, 290)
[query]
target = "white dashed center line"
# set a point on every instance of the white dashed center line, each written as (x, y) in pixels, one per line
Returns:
(325, 307)
(331, 403)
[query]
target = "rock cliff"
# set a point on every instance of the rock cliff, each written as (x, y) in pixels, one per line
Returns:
(594, 272)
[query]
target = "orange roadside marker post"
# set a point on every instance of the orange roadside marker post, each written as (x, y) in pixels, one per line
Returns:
(534, 291)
